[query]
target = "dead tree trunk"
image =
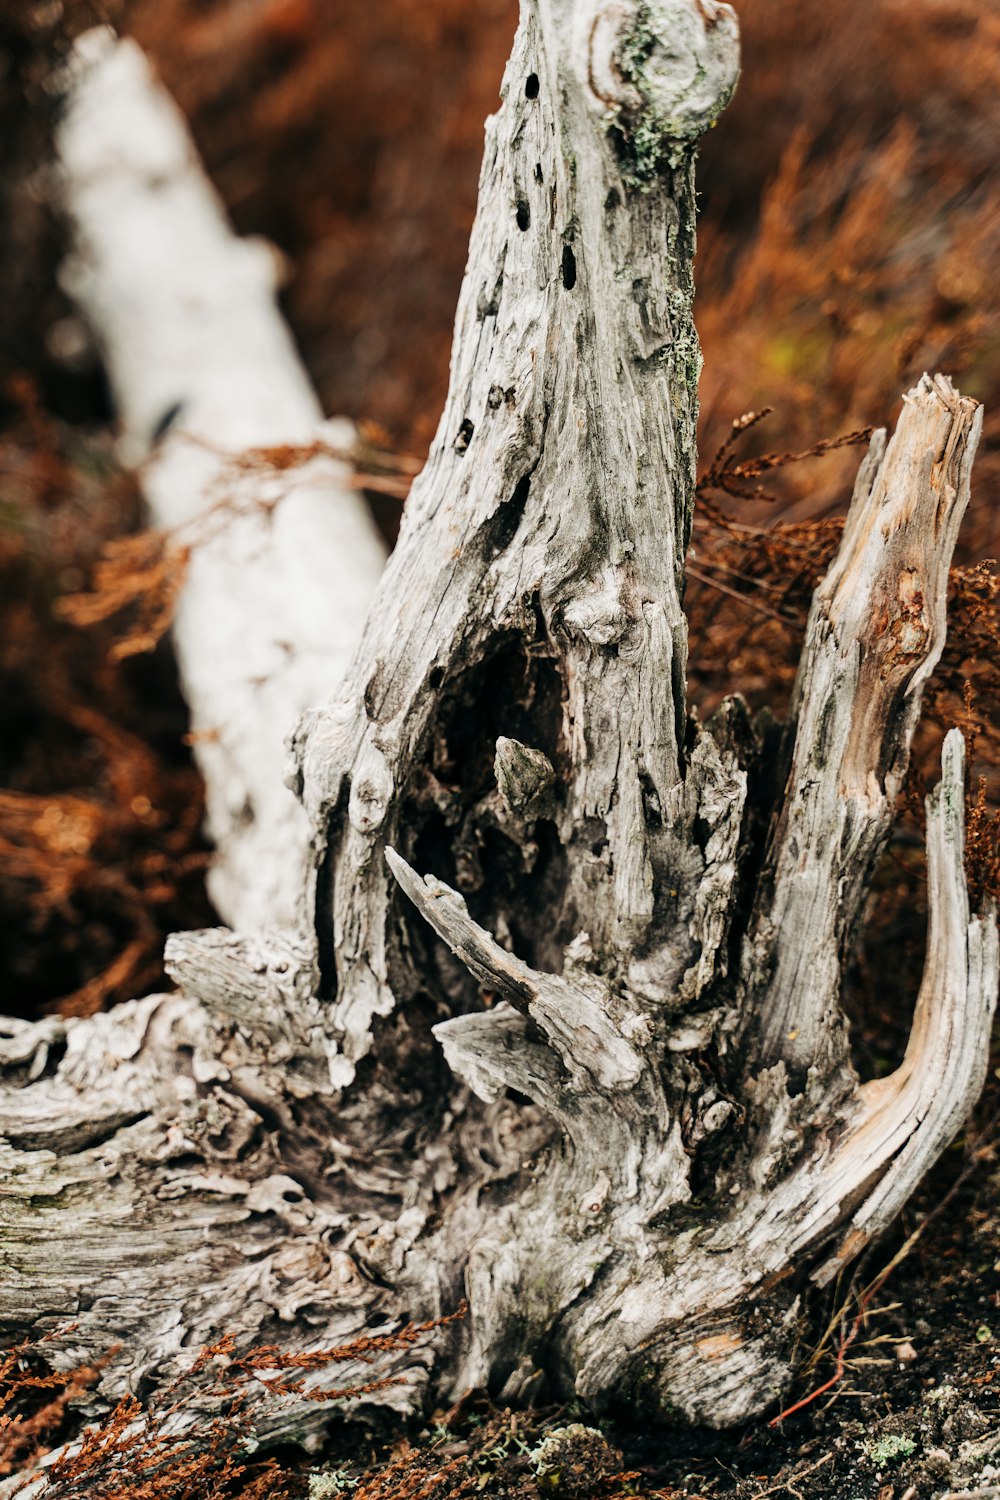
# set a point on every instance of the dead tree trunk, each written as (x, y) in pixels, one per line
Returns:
(592, 1068)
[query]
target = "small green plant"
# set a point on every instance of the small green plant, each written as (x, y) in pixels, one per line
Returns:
(886, 1450)
(501, 1451)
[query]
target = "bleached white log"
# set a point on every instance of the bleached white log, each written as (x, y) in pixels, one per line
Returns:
(546, 964)
(202, 368)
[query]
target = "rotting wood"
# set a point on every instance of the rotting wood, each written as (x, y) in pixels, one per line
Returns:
(532, 1040)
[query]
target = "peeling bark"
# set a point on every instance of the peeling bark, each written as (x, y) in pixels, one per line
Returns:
(532, 1039)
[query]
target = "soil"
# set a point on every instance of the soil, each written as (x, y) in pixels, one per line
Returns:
(350, 135)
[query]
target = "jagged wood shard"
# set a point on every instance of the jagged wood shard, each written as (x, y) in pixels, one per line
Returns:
(571, 1067)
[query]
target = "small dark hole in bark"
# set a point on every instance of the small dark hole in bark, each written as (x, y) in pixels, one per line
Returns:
(507, 517)
(164, 422)
(186, 1161)
(146, 1384)
(599, 847)
(650, 801)
(488, 304)
(523, 215)
(373, 691)
(612, 201)
(531, 86)
(270, 1118)
(326, 960)
(797, 1078)
(702, 833)
(464, 436)
(568, 268)
(54, 1056)
(435, 677)
(538, 172)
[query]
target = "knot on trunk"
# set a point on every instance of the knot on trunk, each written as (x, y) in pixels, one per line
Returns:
(662, 69)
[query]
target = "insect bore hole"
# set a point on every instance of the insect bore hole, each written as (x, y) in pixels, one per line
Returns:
(165, 421)
(531, 86)
(568, 268)
(523, 215)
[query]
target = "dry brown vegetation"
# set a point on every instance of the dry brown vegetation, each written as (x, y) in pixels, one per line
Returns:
(153, 1451)
(100, 810)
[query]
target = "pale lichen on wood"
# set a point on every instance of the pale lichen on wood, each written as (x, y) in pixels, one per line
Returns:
(533, 1040)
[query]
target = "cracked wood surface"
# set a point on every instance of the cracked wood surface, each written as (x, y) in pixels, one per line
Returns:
(875, 634)
(532, 1040)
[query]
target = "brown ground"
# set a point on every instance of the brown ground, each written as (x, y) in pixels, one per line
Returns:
(848, 242)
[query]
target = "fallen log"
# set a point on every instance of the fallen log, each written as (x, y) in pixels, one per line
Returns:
(282, 559)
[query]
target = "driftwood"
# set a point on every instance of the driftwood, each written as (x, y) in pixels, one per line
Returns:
(559, 1026)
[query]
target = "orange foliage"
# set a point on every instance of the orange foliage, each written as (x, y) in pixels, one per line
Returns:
(143, 574)
(99, 820)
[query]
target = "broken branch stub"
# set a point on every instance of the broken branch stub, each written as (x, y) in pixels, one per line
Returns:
(571, 1092)
(875, 634)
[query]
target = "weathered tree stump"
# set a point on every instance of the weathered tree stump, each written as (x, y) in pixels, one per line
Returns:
(589, 1065)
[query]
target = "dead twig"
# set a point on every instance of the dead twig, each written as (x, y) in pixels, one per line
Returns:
(850, 1333)
(786, 1484)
